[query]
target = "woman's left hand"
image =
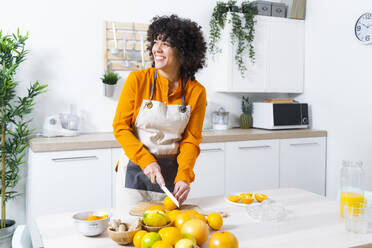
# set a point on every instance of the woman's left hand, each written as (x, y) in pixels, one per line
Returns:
(181, 191)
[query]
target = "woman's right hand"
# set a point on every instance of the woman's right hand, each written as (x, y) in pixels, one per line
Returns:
(153, 172)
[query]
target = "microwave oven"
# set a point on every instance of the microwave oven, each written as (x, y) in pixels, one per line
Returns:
(269, 115)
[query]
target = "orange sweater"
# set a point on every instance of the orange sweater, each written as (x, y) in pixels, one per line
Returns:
(138, 87)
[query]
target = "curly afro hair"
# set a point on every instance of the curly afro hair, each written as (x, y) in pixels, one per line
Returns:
(183, 34)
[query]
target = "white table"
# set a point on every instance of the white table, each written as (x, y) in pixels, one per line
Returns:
(313, 221)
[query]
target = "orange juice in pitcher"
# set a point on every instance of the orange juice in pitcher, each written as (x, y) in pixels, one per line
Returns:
(352, 184)
(350, 198)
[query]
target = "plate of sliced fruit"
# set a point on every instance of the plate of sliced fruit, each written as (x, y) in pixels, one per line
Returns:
(244, 199)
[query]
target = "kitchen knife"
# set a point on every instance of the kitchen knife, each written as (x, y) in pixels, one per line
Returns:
(168, 193)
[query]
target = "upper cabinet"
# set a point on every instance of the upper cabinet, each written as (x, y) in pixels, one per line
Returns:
(279, 55)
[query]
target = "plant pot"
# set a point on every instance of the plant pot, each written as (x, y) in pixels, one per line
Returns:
(108, 89)
(245, 121)
(6, 234)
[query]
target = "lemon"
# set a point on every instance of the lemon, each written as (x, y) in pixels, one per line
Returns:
(155, 218)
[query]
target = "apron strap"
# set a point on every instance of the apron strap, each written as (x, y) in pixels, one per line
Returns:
(182, 108)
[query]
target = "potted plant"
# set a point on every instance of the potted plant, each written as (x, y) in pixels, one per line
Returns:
(246, 116)
(109, 81)
(241, 34)
(14, 126)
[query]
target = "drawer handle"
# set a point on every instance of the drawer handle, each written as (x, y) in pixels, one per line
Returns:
(304, 144)
(74, 158)
(212, 150)
(253, 147)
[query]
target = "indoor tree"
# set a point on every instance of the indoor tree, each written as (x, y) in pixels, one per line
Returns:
(14, 125)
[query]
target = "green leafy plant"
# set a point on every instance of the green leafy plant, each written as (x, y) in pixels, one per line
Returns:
(110, 77)
(242, 35)
(15, 130)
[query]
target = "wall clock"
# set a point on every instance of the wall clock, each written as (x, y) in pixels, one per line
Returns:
(363, 28)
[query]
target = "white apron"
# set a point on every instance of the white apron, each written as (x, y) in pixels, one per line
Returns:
(160, 128)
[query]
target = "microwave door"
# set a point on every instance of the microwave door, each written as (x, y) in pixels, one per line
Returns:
(287, 114)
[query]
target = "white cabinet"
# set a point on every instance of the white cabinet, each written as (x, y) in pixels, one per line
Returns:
(279, 54)
(66, 181)
(303, 164)
(251, 165)
(209, 171)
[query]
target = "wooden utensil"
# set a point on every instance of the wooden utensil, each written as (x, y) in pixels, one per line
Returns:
(141, 207)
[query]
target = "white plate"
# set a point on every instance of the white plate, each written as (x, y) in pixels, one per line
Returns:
(240, 204)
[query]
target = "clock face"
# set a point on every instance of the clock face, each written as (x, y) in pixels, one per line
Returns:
(363, 28)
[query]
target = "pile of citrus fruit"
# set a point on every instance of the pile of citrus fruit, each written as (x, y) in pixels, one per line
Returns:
(184, 229)
(247, 198)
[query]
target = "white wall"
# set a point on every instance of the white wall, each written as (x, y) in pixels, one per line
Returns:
(66, 52)
(338, 83)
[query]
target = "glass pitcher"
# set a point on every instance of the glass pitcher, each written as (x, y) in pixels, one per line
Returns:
(352, 184)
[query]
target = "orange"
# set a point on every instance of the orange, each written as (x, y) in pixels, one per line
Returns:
(172, 215)
(168, 204)
(157, 207)
(246, 194)
(137, 239)
(260, 197)
(247, 199)
(170, 234)
(103, 216)
(223, 240)
(161, 244)
(234, 198)
(201, 217)
(181, 219)
(192, 212)
(198, 229)
(93, 217)
(215, 221)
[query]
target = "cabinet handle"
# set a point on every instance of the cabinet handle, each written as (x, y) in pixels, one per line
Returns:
(212, 150)
(304, 144)
(253, 147)
(74, 158)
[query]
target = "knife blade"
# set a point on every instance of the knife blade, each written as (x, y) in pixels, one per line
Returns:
(168, 193)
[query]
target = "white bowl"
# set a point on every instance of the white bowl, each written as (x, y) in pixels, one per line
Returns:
(91, 227)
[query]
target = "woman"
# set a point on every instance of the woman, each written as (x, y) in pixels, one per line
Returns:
(160, 113)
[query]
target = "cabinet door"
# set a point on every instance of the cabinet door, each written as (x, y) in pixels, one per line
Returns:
(253, 80)
(251, 165)
(117, 183)
(303, 164)
(69, 181)
(209, 171)
(285, 56)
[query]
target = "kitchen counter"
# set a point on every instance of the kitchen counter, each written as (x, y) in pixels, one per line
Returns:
(107, 139)
(312, 221)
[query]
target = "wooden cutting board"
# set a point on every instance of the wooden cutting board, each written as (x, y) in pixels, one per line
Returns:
(141, 207)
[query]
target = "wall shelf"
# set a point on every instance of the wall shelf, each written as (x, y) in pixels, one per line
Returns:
(128, 35)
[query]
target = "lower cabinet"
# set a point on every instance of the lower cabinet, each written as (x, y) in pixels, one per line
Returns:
(251, 165)
(69, 181)
(302, 164)
(66, 181)
(209, 171)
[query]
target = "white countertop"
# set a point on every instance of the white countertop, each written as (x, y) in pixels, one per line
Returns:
(313, 221)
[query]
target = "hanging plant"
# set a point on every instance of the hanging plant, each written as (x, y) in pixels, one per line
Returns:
(242, 35)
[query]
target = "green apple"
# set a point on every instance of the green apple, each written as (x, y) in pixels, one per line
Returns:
(189, 236)
(149, 239)
(185, 243)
